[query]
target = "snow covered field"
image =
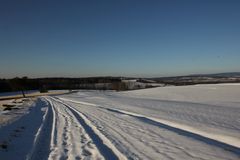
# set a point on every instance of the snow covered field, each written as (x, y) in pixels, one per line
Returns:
(187, 122)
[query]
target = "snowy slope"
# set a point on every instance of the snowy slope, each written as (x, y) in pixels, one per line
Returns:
(216, 110)
(140, 138)
(188, 122)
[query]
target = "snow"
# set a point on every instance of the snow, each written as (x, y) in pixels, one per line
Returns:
(17, 93)
(215, 94)
(19, 136)
(65, 134)
(185, 122)
(220, 138)
(18, 108)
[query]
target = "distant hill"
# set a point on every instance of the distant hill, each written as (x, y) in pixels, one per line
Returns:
(228, 74)
(230, 77)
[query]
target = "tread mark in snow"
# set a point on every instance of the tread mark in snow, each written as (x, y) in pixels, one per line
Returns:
(179, 131)
(106, 151)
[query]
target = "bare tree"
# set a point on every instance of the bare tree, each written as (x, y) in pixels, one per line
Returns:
(18, 84)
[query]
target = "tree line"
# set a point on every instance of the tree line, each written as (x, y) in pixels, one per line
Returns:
(41, 84)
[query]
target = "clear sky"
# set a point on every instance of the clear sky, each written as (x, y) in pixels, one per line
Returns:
(150, 38)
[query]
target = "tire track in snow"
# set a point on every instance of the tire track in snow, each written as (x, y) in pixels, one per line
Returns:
(69, 140)
(106, 148)
(123, 136)
(227, 143)
(146, 141)
(56, 150)
(180, 131)
(40, 149)
(53, 132)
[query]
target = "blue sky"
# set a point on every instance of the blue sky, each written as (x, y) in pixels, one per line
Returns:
(149, 38)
